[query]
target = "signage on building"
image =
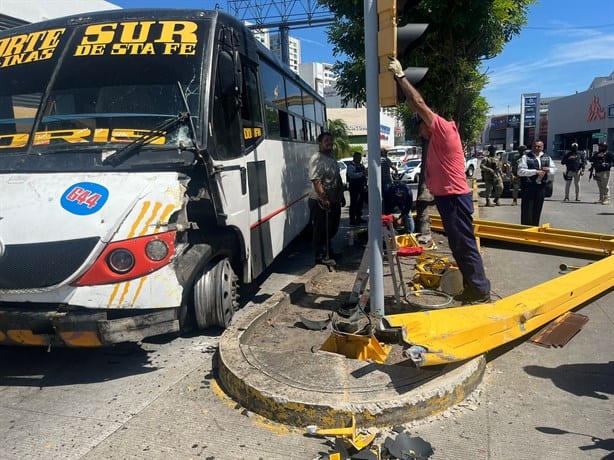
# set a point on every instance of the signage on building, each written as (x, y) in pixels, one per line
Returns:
(384, 133)
(530, 101)
(529, 114)
(513, 121)
(595, 111)
(498, 122)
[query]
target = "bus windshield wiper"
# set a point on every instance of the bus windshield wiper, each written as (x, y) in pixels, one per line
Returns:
(158, 131)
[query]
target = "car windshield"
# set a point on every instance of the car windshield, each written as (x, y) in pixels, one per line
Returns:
(88, 86)
(412, 164)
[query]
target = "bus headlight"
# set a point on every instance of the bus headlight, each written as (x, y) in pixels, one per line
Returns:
(120, 260)
(156, 250)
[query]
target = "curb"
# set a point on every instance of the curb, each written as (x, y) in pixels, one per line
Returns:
(326, 389)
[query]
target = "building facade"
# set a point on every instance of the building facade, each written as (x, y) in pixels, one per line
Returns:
(586, 118)
(294, 50)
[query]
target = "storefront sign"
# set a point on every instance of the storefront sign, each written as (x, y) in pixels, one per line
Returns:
(595, 111)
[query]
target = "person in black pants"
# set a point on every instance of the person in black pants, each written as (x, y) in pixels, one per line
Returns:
(535, 170)
(399, 197)
(446, 180)
(325, 199)
(357, 180)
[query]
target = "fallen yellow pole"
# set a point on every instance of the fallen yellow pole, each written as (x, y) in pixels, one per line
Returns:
(456, 334)
(543, 236)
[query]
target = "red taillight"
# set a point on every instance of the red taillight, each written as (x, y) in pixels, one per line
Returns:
(129, 259)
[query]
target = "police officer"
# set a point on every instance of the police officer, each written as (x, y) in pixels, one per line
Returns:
(575, 163)
(357, 181)
(602, 161)
(535, 170)
(491, 172)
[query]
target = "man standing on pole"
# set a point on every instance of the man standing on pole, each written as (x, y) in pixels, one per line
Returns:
(445, 178)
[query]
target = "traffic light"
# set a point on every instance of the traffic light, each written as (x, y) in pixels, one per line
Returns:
(395, 40)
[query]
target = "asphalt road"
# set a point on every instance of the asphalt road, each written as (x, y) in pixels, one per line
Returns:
(159, 400)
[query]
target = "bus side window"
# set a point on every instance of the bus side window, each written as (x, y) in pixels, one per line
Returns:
(225, 120)
(251, 109)
(284, 124)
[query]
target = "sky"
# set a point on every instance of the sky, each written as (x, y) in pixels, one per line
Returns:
(563, 47)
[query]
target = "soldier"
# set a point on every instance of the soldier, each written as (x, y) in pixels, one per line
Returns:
(515, 179)
(491, 171)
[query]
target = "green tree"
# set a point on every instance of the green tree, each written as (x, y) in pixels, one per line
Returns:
(461, 35)
(338, 128)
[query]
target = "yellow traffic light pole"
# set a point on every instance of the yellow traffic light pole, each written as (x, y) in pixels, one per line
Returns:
(455, 334)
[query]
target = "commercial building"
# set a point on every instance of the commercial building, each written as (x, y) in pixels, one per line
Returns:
(504, 131)
(586, 118)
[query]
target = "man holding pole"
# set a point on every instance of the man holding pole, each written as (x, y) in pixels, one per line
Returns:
(445, 178)
(325, 199)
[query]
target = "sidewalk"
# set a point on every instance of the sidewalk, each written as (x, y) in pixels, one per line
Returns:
(272, 364)
(528, 402)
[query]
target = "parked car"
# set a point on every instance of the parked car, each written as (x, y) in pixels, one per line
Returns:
(410, 172)
(400, 155)
(471, 166)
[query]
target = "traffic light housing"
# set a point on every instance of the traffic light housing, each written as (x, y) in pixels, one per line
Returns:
(395, 40)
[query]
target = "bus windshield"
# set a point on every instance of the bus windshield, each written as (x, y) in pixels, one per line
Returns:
(89, 86)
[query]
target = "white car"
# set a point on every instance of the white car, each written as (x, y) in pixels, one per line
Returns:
(411, 173)
(471, 166)
(343, 170)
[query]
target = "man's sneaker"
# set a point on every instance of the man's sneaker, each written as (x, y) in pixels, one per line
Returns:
(463, 295)
(605, 202)
(476, 300)
(566, 199)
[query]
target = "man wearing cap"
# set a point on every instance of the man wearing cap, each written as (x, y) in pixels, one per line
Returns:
(575, 163)
(446, 180)
(602, 161)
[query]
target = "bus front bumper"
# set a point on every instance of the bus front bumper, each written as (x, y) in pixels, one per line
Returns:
(81, 328)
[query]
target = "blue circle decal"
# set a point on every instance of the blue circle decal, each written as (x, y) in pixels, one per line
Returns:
(84, 198)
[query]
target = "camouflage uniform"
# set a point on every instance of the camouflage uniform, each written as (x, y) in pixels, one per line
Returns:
(491, 172)
(515, 181)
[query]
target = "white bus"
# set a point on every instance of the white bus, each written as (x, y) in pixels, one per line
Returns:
(149, 161)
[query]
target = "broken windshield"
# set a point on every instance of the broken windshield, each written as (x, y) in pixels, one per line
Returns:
(98, 84)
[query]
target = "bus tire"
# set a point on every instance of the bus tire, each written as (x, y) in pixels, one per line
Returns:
(215, 295)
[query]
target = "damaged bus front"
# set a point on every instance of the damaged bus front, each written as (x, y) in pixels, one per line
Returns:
(124, 209)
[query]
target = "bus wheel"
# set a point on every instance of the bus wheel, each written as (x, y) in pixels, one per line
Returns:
(215, 296)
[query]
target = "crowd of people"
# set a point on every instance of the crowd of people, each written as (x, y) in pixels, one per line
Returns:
(531, 172)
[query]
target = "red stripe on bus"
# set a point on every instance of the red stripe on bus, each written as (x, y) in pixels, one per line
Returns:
(278, 211)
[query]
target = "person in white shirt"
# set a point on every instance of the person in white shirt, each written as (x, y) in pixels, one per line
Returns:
(535, 169)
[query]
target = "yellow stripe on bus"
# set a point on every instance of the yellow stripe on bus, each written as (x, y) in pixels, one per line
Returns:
(138, 220)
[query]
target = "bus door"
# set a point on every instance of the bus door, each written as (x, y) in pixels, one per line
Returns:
(226, 144)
